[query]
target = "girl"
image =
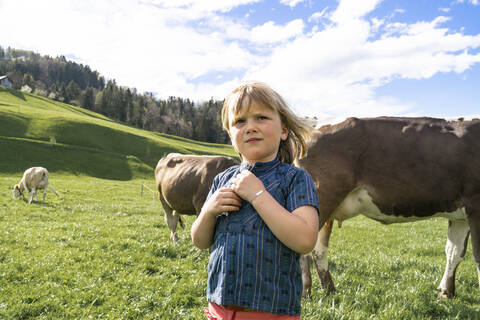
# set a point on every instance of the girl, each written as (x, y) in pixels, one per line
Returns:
(260, 215)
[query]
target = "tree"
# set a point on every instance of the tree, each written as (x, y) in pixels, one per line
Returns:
(98, 102)
(28, 80)
(72, 92)
(62, 96)
(88, 98)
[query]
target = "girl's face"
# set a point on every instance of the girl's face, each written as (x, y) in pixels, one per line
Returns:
(256, 133)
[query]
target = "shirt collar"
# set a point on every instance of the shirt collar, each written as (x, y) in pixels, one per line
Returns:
(260, 167)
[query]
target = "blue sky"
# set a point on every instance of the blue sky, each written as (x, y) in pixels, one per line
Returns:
(328, 58)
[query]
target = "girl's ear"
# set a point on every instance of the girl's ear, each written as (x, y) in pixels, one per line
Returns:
(284, 132)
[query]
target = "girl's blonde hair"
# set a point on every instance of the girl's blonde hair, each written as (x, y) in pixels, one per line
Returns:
(291, 149)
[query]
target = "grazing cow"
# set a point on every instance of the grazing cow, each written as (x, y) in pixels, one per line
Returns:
(183, 183)
(398, 170)
(33, 179)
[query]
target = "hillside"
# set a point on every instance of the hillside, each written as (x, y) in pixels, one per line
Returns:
(36, 131)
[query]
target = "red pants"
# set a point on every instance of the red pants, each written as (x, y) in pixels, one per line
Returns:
(217, 312)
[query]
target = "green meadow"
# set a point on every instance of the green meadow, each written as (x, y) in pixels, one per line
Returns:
(101, 249)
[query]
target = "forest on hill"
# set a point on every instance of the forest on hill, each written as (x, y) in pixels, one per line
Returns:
(62, 80)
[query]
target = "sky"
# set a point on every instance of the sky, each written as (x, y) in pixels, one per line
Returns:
(327, 58)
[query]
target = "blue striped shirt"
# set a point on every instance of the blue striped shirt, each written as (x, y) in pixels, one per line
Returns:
(249, 266)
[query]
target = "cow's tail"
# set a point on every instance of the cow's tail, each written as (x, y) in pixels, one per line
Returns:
(180, 221)
(53, 190)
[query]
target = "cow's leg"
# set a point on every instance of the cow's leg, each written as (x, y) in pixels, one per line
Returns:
(474, 222)
(171, 218)
(306, 275)
(44, 193)
(33, 192)
(455, 248)
(320, 257)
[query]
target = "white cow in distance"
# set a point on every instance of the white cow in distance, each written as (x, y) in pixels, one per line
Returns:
(33, 179)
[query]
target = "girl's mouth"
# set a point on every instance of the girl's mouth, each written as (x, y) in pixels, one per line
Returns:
(253, 140)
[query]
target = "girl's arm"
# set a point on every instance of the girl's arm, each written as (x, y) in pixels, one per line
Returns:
(223, 200)
(297, 230)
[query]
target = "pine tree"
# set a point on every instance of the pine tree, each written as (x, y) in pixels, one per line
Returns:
(88, 99)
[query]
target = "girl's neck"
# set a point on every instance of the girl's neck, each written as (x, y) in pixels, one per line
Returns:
(253, 163)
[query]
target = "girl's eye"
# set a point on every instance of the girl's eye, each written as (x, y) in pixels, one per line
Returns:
(238, 121)
(262, 118)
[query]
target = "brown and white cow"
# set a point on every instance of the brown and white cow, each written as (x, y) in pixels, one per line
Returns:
(183, 183)
(398, 170)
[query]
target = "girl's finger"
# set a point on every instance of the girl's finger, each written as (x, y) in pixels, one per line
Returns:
(231, 201)
(229, 208)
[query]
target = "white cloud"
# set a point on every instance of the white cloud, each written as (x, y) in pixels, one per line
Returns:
(474, 2)
(202, 6)
(291, 3)
(194, 49)
(376, 24)
(353, 9)
(270, 32)
(318, 15)
(338, 69)
(154, 49)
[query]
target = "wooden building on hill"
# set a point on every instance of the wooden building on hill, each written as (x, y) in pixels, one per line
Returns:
(5, 82)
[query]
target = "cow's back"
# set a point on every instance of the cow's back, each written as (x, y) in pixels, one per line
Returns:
(407, 165)
(36, 177)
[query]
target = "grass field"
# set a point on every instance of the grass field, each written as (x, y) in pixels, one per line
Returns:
(102, 251)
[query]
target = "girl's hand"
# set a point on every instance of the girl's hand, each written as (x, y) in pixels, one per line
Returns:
(223, 200)
(203, 229)
(246, 185)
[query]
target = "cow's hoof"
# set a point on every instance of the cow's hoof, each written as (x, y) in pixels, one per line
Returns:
(330, 290)
(306, 294)
(444, 294)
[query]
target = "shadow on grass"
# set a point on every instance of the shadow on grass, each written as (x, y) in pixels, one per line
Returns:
(20, 154)
(13, 125)
(38, 203)
(108, 139)
(452, 311)
(16, 93)
(79, 110)
(200, 143)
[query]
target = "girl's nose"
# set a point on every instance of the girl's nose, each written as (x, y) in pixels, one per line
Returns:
(250, 126)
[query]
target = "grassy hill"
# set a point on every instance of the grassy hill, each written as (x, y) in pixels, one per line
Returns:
(86, 143)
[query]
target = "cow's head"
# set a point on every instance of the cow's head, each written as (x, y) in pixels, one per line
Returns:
(17, 192)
